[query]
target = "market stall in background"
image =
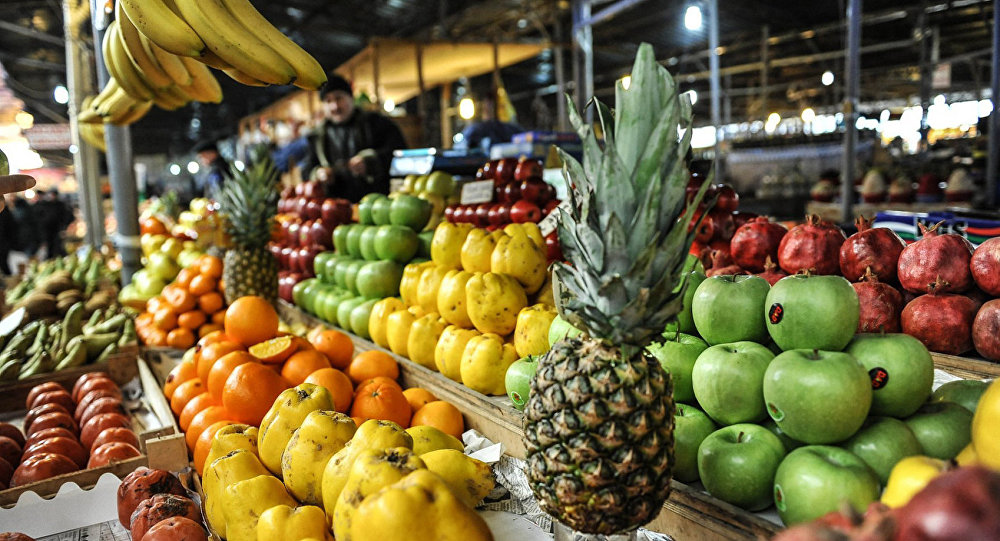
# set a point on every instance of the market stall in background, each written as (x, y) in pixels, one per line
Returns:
(499, 270)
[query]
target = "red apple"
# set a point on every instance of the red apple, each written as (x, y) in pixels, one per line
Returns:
(528, 168)
(552, 250)
(728, 200)
(504, 169)
(511, 192)
(288, 192)
(489, 170)
(321, 233)
(551, 206)
(312, 190)
(483, 214)
(533, 189)
(305, 260)
(469, 214)
(285, 260)
(492, 227)
(305, 237)
(275, 252)
(328, 211)
(313, 209)
(480, 174)
(525, 211)
(299, 189)
(293, 233)
(449, 213)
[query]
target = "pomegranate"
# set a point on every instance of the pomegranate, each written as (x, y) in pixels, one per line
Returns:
(936, 258)
(755, 242)
(722, 263)
(986, 330)
(881, 304)
(942, 321)
(813, 246)
(771, 272)
(985, 266)
(871, 248)
(724, 224)
(959, 505)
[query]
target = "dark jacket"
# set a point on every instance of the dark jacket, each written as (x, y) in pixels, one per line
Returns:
(216, 173)
(370, 134)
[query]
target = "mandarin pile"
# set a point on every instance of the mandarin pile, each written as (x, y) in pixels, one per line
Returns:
(191, 307)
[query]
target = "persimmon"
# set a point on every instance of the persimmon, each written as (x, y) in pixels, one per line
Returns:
(337, 383)
(372, 363)
(337, 347)
(222, 368)
(251, 320)
(418, 398)
(202, 421)
(250, 391)
(298, 367)
(382, 401)
(181, 373)
(443, 416)
(193, 407)
(184, 393)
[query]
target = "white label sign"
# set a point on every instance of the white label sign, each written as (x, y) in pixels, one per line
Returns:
(480, 191)
(548, 223)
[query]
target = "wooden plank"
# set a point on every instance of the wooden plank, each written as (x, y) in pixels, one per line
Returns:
(965, 367)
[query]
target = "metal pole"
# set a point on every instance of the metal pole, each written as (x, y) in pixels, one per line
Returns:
(446, 112)
(560, 78)
(422, 97)
(86, 161)
(850, 106)
(125, 197)
(715, 83)
(375, 80)
(925, 73)
(764, 56)
(583, 41)
(994, 141)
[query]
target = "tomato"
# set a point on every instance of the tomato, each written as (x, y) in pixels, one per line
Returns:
(10, 450)
(107, 404)
(161, 507)
(38, 411)
(50, 420)
(97, 383)
(84, 379)
(48, 433)
(142, 484)
(67, 447)
(98, 423)
(117, 433)
(108, 453)
(12, 432)
(90, 397)
(39, 389)
(60, 396)
(176, 529)
(41, 466)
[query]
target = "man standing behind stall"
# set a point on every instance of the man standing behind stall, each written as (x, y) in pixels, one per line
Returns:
(351, 150)
(215, 169)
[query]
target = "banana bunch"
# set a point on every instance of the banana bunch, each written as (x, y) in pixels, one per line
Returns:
(229, 35)
(113, 105)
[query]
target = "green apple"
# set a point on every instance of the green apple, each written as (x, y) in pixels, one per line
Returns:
(172, 247)
(340, 238)
(379, 279)
(812, 312)
(319, 267)
(367, 243)
(354, 240)
(942, 428)
(365, 208)
(187, 256)
(440, 183)
(351, 274)
(426, 237)
(677, 354)
(344, 310)
(790, 444)
(359, 318)
(162, 266)
(380, 210)
(684, 322)
(560, 328)
(330, 268)
(817, 396)
(307, 290)
(881, 443)
(727, 309)
(691, 427)
(328, 301)
(340, 271)
(396, 243)
(737, 465)
(900, 368)
(518, 381)
(148, 285)
(727, 380)
(151, 243)
(964, 392)
(410, 211)
(322, 301)
(817, 479)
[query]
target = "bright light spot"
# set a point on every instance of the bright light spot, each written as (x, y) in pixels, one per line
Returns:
(626, 81)
(60, 94)
(773, 120)
(884, 116)
(466, 108)
(29, 193)
(458, 138)
(827, 78)
(985, 108)
(389, 105)
(24, 120)
(860, 123)
(175, 169)
(692, 18)
(522, 23)
(808, 115)
(703, 137)
(73, 149)
(239, 165)
(694, 96)
(193, 167)
(939, 100)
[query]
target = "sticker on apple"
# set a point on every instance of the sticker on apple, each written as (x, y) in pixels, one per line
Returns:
(779, 498)
(775, 412)
(879, 377)
(776, 313)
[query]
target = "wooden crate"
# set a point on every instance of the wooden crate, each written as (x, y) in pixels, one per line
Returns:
(965, 367)
(162, 447)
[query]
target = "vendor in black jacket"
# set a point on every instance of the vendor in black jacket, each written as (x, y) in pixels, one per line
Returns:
(351, 150)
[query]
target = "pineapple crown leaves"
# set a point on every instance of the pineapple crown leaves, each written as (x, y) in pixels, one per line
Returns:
(625, 234)
(248, 200)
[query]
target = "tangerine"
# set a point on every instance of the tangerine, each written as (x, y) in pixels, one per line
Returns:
(417, 398)
(155, 337)
(144, 319)
(382, 401)
(181, 373)
(443, 416)
(212, 338)
(201, 421)
(370, 364)
(204, 443)
(250, 391)
(298, 367)
(192, 319)
(211, 302)
(184, 277)
(219, 318)
(180, 338)
(184, 393)
(337, 383)
(165, 319)
(155, 303)
(193, 407)
(275, 350)
(210, 266)
(179, 298)
(202, 285)
(379, 379)
(207, 357)
(337, 347)
(222, 368)
(251, 320)
(208, 329)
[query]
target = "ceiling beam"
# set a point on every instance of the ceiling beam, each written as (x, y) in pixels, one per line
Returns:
(32, 33)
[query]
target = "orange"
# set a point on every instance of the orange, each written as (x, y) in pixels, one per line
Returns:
(181, 373)
(165, 319)
(358, 421)
(441, 415)
(144, 319)
(298, 367)
(219, 318)
(180, 338)
(382, 401)
(302, 344)
(378, 379)
(201, 421)
(184, 393)
(211, 302)
(251, 320)
(417, 398)
(155, 303)
(194, 406)
(202, 285)
(210, 339)
(184, 277)
(275, 350)
(179, 299)
(208, 329)
(155, 337)
(249, 392)
(222, 368)
(337, 383)
(210, 266)
(192, 319)
(337, 347)
(207, 357)
(204, 443)
(372, 363)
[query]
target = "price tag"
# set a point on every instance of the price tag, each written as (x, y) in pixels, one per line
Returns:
(480, 191)
(548, 224)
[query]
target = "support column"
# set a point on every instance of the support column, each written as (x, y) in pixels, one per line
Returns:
(850, 107)
(994, 138)
(765, 36)
(125, 196)
(86, 161)
(446, 135)
(583, 44)
(716, 86)
(563, 120)
(422, 97)
(375, 79)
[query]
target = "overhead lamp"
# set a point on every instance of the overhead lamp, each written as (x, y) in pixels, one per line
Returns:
(808, 115)
(827, 78)
(773, 119)
(239, 165)
(692, 18)
(60, 94)
(466, 108)
(626, 81)
(24, 120)
(175, 169)
(389, 105)
(193, 167)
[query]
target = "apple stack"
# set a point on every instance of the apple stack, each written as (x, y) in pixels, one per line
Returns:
(368, 261)
(519, 196)
(437, 188)
(781, 403)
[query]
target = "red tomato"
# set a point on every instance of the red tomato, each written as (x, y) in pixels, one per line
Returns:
(6, 470)
(10, 450)
(59, 396)
(161, 507)
(38, 411)
(124, 435)
(12, 432)
(51, 420)
(96, 383)
(141, 485)
(89, 398)
(107, 404)
(48, 433)
(84, 379)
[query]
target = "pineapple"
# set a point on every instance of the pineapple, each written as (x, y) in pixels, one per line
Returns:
(599, 421)
(248, 202)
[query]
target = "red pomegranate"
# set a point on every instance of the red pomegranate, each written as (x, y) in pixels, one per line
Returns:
(959, 505)
(942, 321)
(936, 258)
(771, 272)
(871, 248)
(986, 330)
(756, 241)
(813, 246)
(985, 266)
(722, 263)
(724, 224)
(881, 304)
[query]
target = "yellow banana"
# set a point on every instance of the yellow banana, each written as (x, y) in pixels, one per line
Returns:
(309, 73)
(128, 77)
(94, 135)
(141, 61)
(155, 20)
(170, 62)
(177, 94)
(171, 98)
(243, 78)
(109, 90)
(115, 103)
(204, 87)
(138, 111)
(212, 60)
(234, 43)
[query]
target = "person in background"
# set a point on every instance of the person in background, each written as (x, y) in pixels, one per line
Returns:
(28, 230)
(351, 150)
(488, 131)
(8, 237)
(214, 169)
(54, 216)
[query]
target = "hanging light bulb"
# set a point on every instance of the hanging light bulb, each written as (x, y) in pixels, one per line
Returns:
(692, 17)
(466, 108)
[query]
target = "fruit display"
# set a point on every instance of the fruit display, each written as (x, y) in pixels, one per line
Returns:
(66, 431)
(306, 222)
(715, 225)
(50, 288)
(187, 309)
(153, 505)
(519, 196)
(437, 188)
